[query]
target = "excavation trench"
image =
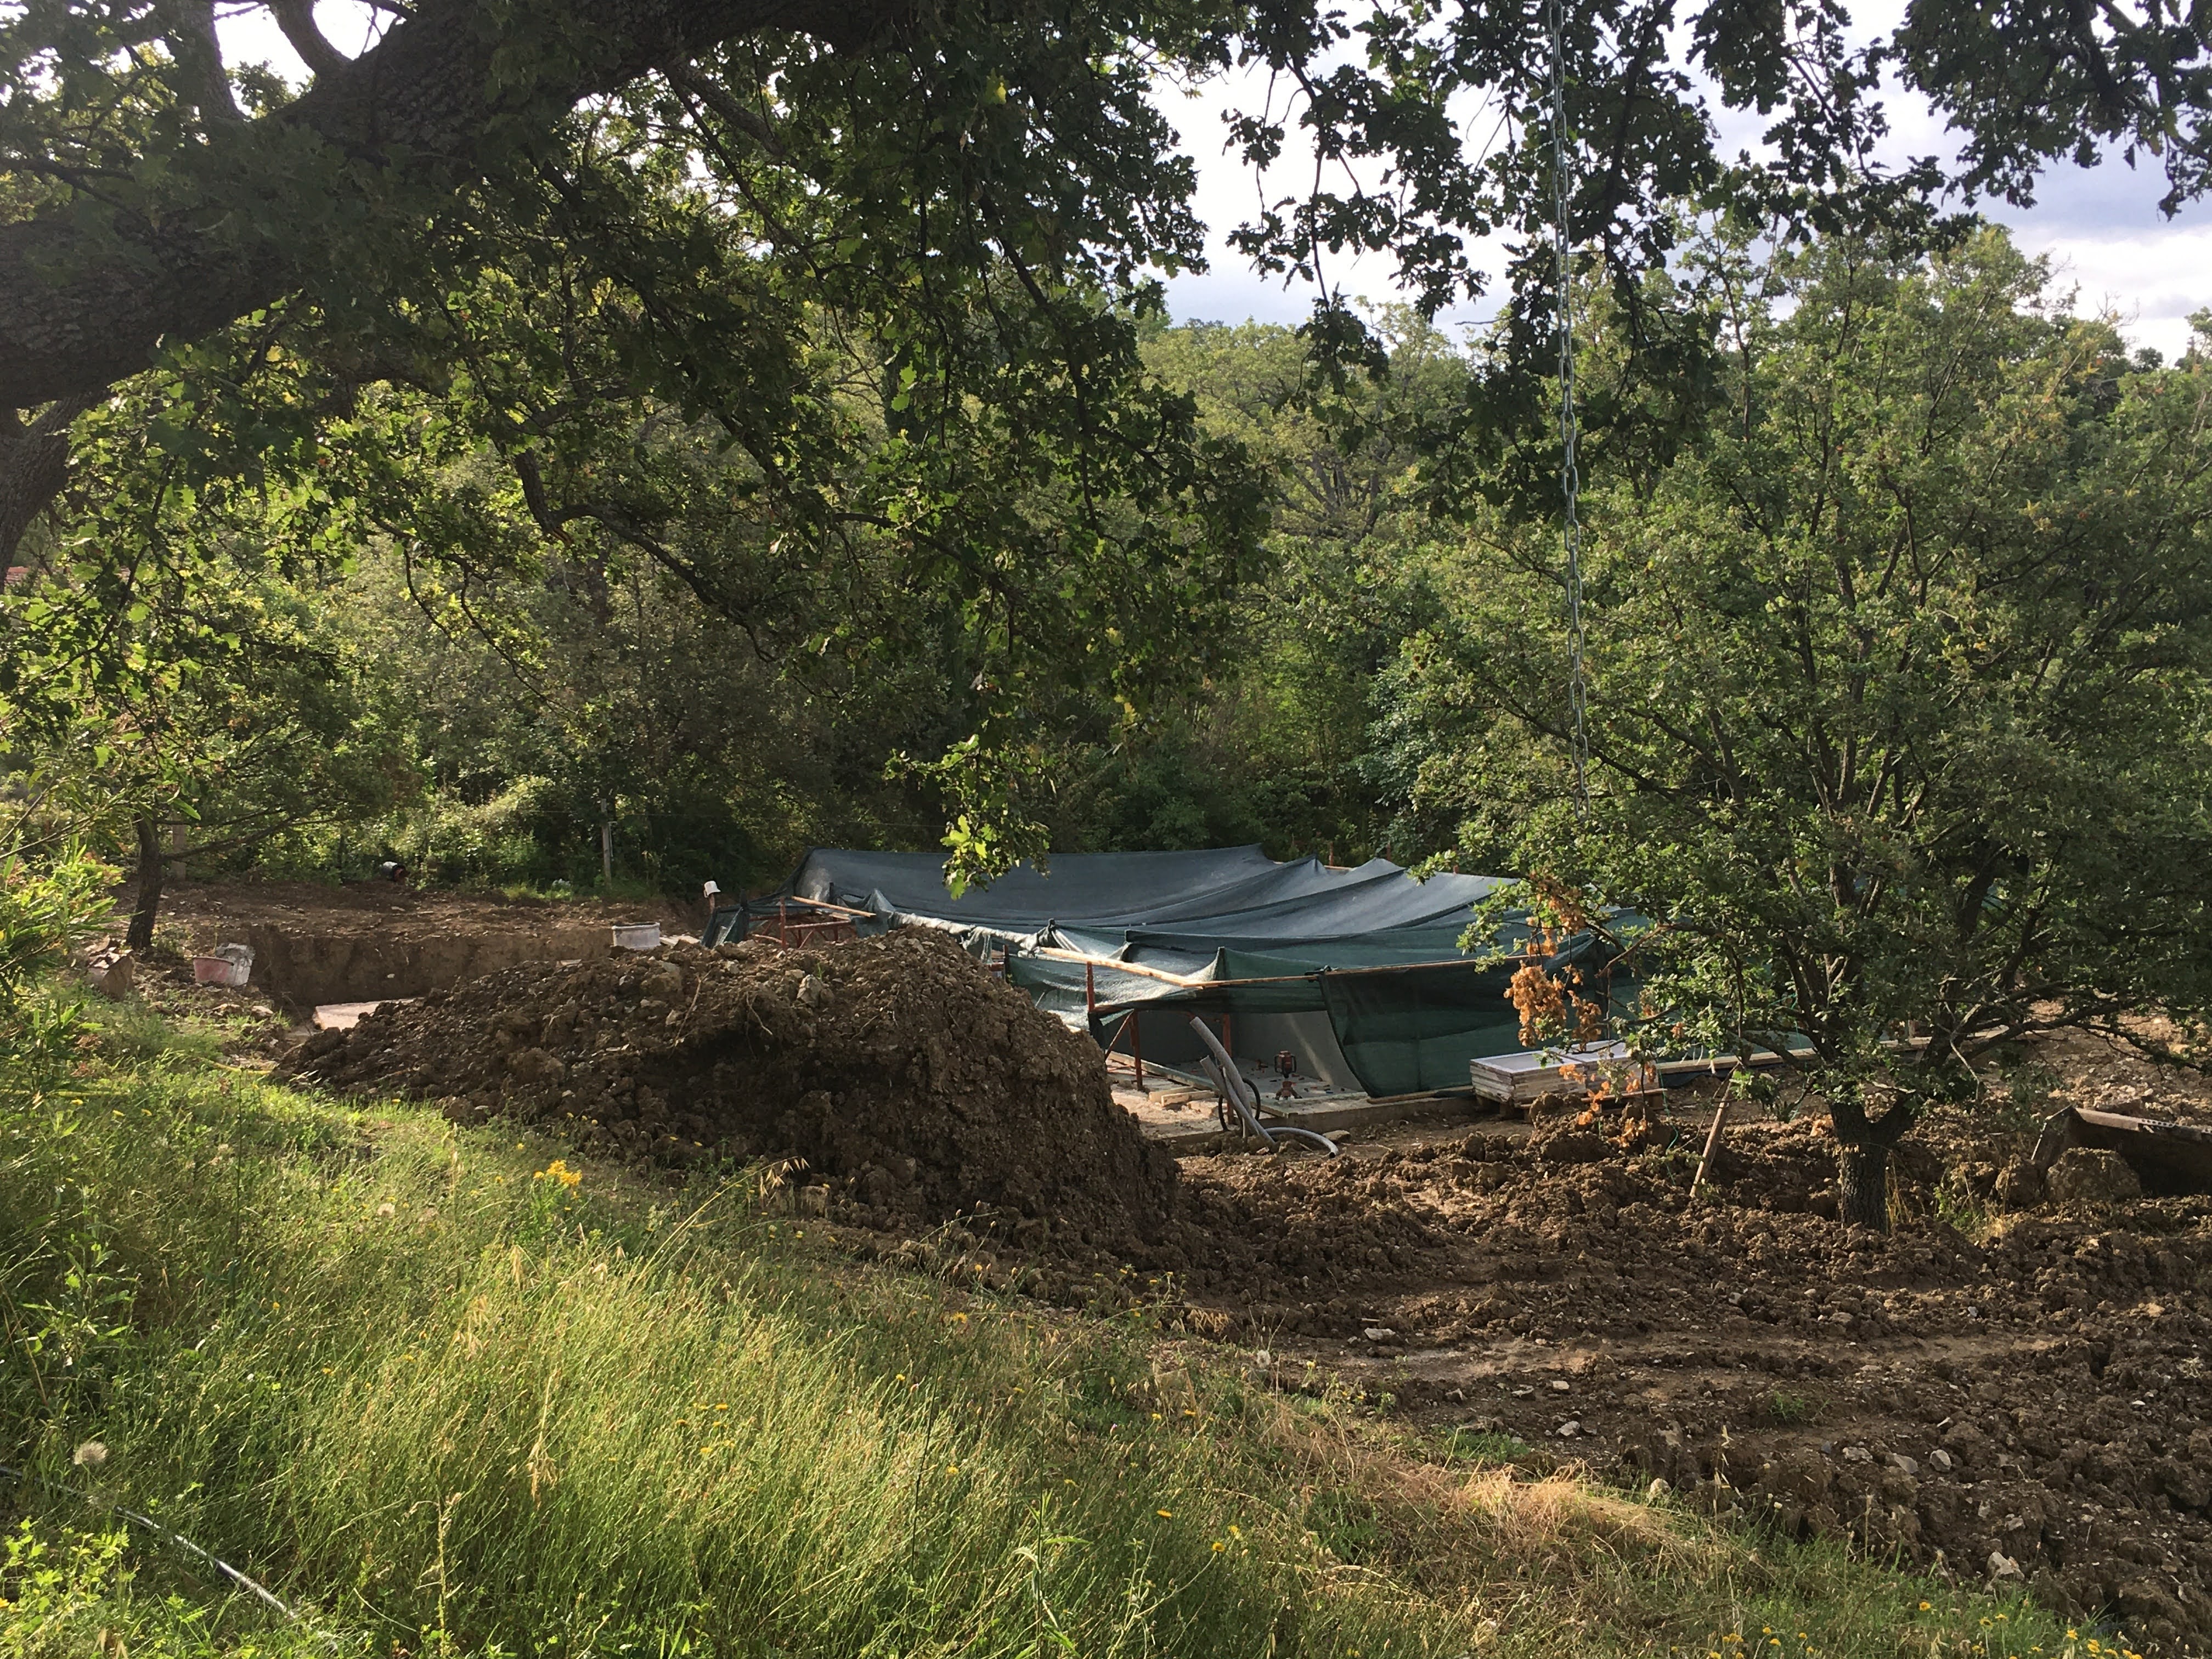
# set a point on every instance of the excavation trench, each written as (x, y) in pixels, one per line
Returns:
(314, 944)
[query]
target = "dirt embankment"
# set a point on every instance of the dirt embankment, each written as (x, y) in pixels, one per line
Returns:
(314, 944)
(2010, 1393)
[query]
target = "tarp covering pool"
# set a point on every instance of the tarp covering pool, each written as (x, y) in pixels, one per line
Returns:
(1371, 948)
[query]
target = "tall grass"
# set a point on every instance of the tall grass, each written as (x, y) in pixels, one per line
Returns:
(453, 1396)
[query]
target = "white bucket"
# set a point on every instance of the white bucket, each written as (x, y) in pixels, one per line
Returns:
(637, 936)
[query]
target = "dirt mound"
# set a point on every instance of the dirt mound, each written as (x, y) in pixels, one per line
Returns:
(917, 1085)
(2005, 1387)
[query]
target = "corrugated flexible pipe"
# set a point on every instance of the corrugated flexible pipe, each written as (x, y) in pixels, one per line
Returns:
(1233, 1086)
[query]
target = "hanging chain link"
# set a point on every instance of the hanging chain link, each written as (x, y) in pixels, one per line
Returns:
(1570, 475)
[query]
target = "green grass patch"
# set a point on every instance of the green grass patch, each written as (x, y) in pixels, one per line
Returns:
(1789, 1408)
(448, 1392)
(1463, 1445)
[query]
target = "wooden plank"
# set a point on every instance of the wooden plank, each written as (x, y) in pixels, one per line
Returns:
(1712, 1144)
(1095, 962)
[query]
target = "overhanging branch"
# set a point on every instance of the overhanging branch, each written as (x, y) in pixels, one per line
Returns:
(89, 298)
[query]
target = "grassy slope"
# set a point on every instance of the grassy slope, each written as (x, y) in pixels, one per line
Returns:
(450, 1403)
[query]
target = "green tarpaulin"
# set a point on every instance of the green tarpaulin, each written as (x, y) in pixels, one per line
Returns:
(1226, 930)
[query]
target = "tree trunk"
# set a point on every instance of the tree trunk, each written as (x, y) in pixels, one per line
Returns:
(151, 862)
(34, 466)
(1863, 1185)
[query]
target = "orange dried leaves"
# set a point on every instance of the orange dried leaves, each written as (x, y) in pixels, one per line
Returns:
(1539, 1001)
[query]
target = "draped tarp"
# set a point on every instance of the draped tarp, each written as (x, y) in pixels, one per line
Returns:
(1119, 889)
(1224, 930)
(1414, 1030)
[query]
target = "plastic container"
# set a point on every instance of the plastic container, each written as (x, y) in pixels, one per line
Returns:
(637, 936)
(227, 964)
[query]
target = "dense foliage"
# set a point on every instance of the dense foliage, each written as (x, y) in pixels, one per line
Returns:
(635, 438)
(1898, 708)
(832, 316)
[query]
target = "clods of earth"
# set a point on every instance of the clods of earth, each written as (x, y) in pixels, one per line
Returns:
(893, 1073)
(2017, 1396)
(2009, 1387)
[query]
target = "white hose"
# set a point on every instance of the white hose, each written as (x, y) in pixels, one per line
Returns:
(1232, 1086)
(177, 1538)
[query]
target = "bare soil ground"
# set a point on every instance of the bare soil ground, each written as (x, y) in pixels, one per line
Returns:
(2015, 1393)
(2003, 1392)
(316, 943)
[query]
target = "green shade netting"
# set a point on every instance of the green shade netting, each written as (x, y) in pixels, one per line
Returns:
(1376, 951)
(1414, 1029)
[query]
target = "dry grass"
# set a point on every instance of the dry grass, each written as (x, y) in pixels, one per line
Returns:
(1556, 1516)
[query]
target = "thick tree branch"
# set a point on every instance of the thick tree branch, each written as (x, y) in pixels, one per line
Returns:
(297, 18)
(33, 465)
(192, 40)
(718, 98)
(86, 301)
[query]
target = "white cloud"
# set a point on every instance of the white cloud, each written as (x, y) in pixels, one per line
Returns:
(2100, 226)
(2150, 282)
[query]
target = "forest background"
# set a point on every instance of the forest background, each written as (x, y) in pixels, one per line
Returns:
(333, 702)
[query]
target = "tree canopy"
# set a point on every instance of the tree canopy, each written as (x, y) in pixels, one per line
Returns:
(1898, 700)
(156, 195)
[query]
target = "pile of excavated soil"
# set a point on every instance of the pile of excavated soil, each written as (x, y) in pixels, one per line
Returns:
(897, 1070)
(2018, 1396)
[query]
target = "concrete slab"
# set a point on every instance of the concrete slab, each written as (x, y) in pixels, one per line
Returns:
(344, 1016)
(1178, 1110)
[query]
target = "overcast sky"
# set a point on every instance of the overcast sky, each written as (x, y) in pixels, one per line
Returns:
(2100, 228)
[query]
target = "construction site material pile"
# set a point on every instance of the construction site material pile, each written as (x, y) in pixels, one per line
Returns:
(892, 1069)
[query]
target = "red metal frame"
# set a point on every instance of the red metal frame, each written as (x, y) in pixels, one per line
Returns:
(788, 932)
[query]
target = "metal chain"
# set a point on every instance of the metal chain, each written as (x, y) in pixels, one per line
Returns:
(1570, 476)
